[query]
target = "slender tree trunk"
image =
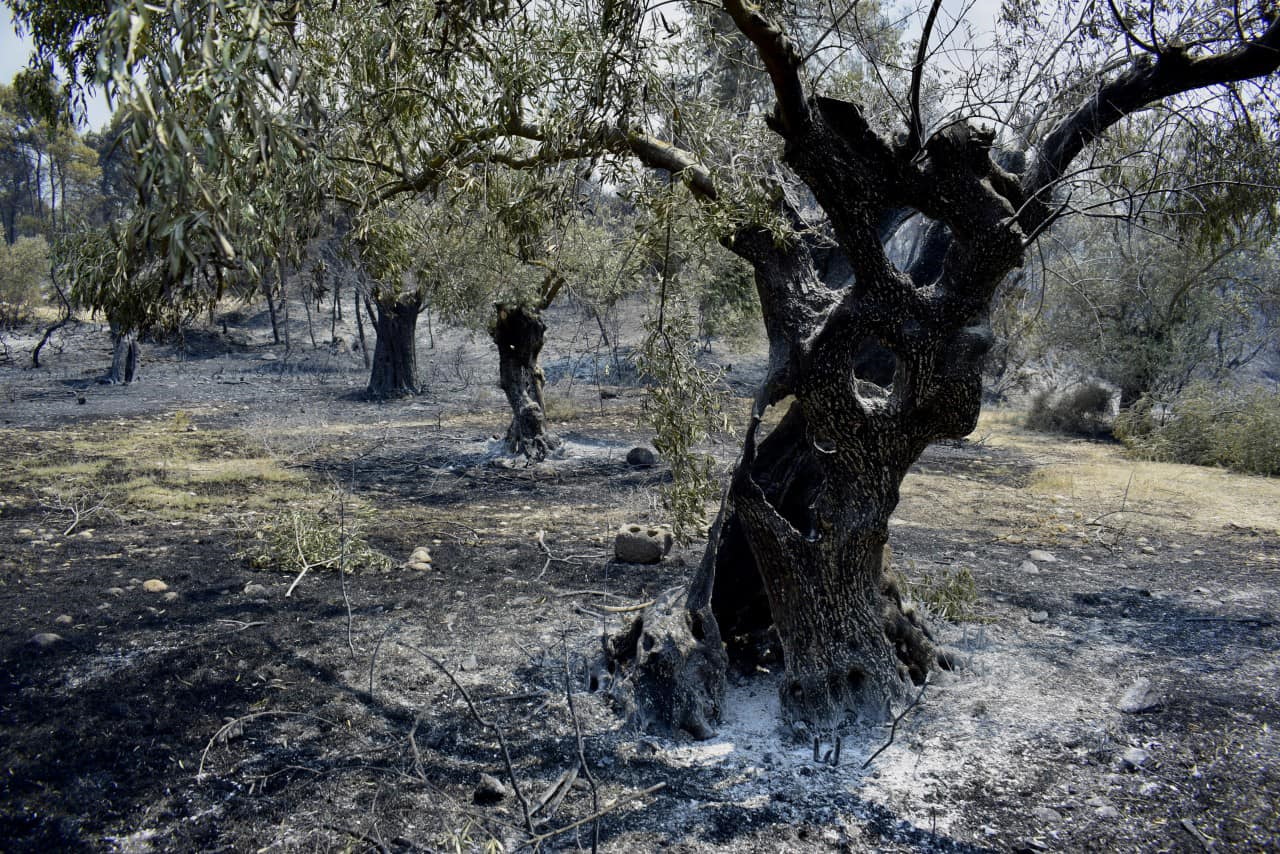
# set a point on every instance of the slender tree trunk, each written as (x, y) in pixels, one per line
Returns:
(311, 329)
(268, 288)
(124, 356)
(364, 346)
(519, 332)
(395, 361)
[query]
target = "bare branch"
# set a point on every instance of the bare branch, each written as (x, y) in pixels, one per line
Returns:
(917, 72)
(1171, 73)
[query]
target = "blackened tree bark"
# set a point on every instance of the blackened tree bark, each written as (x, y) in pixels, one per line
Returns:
(124, 356)
(798, 546)
(519, 332)
(395, 360)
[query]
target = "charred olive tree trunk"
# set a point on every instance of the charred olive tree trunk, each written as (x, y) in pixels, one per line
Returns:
(798, 548)
(124, 356)
(519, 332)
(395, 361)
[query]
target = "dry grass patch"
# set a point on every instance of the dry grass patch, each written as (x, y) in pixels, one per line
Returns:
(1093, 479)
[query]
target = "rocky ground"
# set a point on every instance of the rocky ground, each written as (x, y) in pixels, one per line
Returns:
(157, 692)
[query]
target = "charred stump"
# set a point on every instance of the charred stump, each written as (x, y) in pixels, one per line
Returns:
(519, 332)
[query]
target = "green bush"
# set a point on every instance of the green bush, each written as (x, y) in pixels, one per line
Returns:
(24, 270)
(1208, 426)
(1082, 411)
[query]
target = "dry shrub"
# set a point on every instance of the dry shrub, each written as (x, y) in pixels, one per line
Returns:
(951, 594)
(321, 539)
(1207, 426)
(1082, 411)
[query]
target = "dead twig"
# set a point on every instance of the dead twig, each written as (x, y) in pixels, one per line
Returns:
(1196, 834)
(342, 562)
(241, 625)
(540, 539)
(1260, 622)
(565, 594)
(582, 759)
(306, 567)
(893, 728)
(551, 798)
(229, 725)
(595, 816)
(373, 658)
(355, 834)
(485, 724)
(623, 609)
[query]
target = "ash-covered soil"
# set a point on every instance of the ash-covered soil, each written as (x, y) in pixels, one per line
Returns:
(221, 714)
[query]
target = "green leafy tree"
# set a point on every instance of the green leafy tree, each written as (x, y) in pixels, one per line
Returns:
(1149, 312)
(24, 274)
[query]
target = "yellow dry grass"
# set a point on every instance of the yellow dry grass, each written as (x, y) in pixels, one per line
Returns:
(1174, 496)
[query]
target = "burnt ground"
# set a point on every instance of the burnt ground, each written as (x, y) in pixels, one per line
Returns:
(220, 714)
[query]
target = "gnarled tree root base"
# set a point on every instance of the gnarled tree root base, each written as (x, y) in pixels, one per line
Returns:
(669, 668)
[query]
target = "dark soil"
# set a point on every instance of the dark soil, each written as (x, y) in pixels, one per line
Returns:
(232, 718)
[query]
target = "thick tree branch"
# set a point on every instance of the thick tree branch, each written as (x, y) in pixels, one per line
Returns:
(781, 59)
(1171, 73)
(917, 74)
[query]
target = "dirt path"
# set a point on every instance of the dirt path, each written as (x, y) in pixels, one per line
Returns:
(219, 714)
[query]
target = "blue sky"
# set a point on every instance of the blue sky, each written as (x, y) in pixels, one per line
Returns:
(14, 53)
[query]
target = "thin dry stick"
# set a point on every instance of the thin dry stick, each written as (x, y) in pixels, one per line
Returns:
(342, 563)
(413, 743)
(306, 567)
(555, 793)
(582, 759)
(373, 659)
(567, 593)
(222, 730)
(475, 713)
(595, 816)
(893, 729)
(623, 609)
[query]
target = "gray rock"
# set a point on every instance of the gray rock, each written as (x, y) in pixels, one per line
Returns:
(64, 620)
(1149, 790)
(1029, 568)
(1039, 617)
(115, 591)
(642, 458)
(469, 664)
(1041, 556)
(1106, 812)
(642, 543)
(1134, 758)
(154, 585)
(45, 639)
(1139, 697)
(1047, 815)
(490, 791)
(255, 589)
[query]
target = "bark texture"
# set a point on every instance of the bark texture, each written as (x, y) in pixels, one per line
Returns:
(395, 360)
(519, 332)
(124, 356)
